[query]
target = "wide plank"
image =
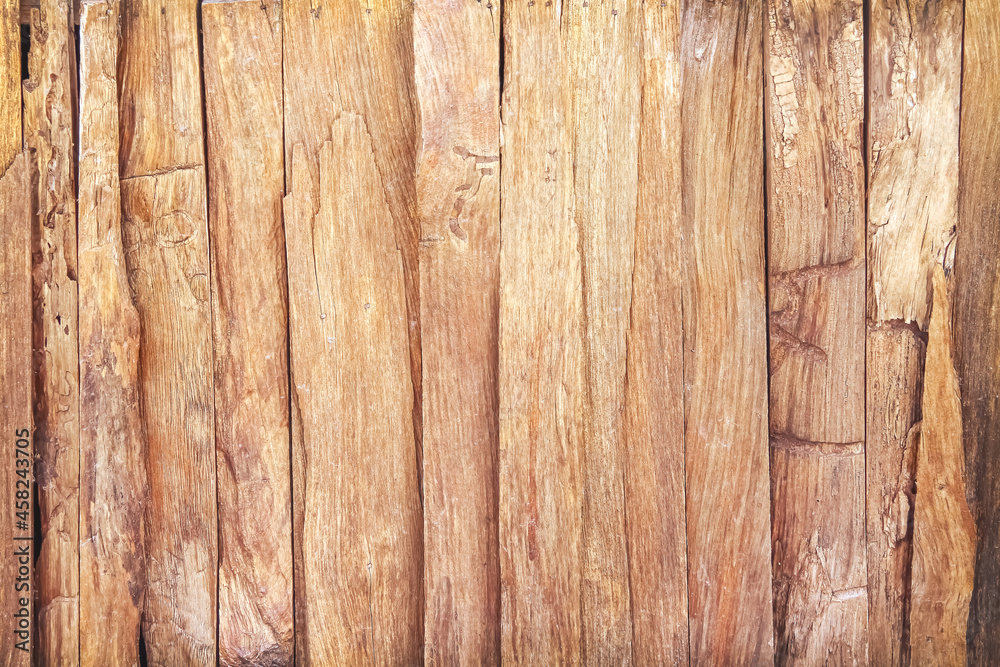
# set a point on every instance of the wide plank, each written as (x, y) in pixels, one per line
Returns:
(246, 178)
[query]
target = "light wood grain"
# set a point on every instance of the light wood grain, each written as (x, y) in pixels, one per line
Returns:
(10, 83)
(113, 483)
(977, 300)
(243, 108)
(166, 250)
(654, 455)
(816, 269)
(457, 48)
(725, 337)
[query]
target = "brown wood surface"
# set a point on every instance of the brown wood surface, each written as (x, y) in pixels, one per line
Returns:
(49, 120)
(977, 301)
(725, 336)
(10, 83)
(654, 452)
(246, 176)
(113, 483)
(166, 250)
(457, 49)
(816, 273)
(914, 84)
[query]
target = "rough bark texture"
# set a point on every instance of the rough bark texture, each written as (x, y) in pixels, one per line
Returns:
(725, 337)
(49, 101)
(243, 102)
(816, 268)
(458, 199)
(654, 455)
(113, 483)
(166, 251)
(914, 85)
(977, 302)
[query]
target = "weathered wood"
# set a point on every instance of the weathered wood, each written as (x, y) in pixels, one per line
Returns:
(654, 455)
(944, 533)
(166, 251)
(10, 83)
(243, 108)
(914, 82)
(977, 300)
(49, 100)
(458, 200)
(113, 488)
(725, 337)
(816, 277)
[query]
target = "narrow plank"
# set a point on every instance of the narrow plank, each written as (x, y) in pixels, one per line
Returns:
(977, 300)
(457, 52)
(944, 532)
(243, 109)
(113, 484)
(816, 278)
(16, 569)
(10, 83)
(654, 456)
(166, 250)
(49, 98)
(725, 338)
(914, 82)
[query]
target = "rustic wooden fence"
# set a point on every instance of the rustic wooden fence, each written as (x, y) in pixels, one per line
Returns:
(481, 331)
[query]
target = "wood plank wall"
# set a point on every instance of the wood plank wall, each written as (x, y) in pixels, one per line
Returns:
(500, 331)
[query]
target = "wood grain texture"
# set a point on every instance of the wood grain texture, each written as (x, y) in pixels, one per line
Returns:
(944, 533)
(49, 101)
(361, 524)
(914, 86)
(654, 455)
(15, 409)
(246, 176)
(113, 483)
(457, 49)
(725, 337)
(977, 302)
(816, 273)
(166, 250)
(10, 83)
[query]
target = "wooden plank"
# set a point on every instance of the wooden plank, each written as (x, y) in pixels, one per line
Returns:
(243, 108)
(725, 338)
(915, 76)
(49, 98)
(113, 485)
(166, 250)
(458, 200)
(977, 300)
(816, 278)
(10, 83)
(350, 142)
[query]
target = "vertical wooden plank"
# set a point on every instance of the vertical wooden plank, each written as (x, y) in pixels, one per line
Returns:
(166, 250)
(914, 81)
(977, 300)
(725, 338)
(457, 47)
(541, 348)
(10, 82)
(350, 142)
(816, 274)
(654, 455)
(49, 98)
(243, 108)
(113, 483)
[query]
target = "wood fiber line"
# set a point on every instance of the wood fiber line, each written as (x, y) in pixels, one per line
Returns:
(654, 454)
(243, 108)
(725, 337)
(457, 51)
(10, 83)
(816, 267)
(49, 99)
(571, 158)
(914, 82)
(166, 251)
(977, 302)
(113, 482)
